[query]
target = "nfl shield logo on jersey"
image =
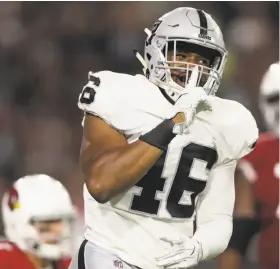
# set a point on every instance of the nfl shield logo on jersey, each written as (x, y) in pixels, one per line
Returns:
(118, 264)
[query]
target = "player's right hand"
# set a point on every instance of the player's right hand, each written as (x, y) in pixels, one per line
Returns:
(185, 253)
(192, 101)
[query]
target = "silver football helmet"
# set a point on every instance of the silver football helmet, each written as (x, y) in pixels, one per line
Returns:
(194, 31)
(269, 97)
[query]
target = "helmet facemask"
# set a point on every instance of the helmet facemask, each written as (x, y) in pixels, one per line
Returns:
(53, 237)
(181, 57)
(49, 238)
(173, 68)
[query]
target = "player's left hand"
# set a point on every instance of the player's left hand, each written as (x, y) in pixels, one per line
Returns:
(192, 101)
(185, 253)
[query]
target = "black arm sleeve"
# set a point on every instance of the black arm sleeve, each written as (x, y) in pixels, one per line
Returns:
(243, 231)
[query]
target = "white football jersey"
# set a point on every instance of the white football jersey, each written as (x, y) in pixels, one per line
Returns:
(163, 203)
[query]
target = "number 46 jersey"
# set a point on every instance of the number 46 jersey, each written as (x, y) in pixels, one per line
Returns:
(182, 185)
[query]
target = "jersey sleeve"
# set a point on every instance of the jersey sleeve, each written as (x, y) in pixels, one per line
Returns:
(214, 209)
(241, 133)
(250, 163)
(247, 165)
(99, 97)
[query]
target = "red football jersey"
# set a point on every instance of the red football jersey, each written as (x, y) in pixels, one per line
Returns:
(261, 166)
(11, 257)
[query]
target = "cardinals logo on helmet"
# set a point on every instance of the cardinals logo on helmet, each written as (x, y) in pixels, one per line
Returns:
(13, 199)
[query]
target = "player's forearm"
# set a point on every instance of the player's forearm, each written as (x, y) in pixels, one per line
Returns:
(117, 170)
(214, 236)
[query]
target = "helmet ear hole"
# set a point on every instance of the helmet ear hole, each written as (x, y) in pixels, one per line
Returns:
(149, 57)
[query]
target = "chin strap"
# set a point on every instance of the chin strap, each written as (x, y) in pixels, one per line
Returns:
(141, 60)
(148, 32)
(139, 56)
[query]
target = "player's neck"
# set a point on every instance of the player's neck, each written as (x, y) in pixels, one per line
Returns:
(38, 263)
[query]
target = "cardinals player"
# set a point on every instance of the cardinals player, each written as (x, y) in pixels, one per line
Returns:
(38, 218)
(257, 187)
(160, 151)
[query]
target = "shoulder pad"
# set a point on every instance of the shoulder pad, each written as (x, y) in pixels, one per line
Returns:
(233, 127)
(265, 142)
(241, 131)
(101, 96)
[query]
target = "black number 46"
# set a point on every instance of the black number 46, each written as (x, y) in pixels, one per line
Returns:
(183, 181)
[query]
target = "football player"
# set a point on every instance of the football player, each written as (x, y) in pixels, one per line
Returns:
(257, 187)
(159, 151)
(38, 218)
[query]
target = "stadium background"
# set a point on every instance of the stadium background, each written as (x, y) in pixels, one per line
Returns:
(47, 49)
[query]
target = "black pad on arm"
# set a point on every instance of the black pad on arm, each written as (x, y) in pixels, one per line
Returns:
(243, 231)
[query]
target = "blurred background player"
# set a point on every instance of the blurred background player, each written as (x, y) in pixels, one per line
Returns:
(38, 218)
(257, 187)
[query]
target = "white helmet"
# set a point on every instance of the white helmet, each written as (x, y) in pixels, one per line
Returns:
(184, 27)
(35, 199)
(269, 97)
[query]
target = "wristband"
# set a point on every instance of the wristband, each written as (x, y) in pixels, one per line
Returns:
(160, 136)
